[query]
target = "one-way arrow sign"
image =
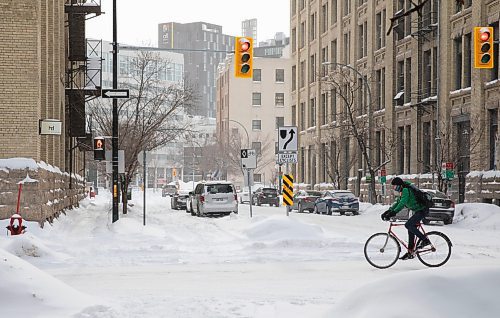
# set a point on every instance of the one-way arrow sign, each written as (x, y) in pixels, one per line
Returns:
(115, 93)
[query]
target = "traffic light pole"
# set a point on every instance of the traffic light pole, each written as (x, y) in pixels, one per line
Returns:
(115, 120)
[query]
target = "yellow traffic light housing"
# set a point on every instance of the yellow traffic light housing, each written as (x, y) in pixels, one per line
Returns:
(243, 57)
(483, 47)
(99, 148)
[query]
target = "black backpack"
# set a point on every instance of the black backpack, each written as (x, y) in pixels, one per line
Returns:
(422, 197)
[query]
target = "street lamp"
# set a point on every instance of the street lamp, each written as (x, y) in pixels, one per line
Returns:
(246, 132)
(370, 118)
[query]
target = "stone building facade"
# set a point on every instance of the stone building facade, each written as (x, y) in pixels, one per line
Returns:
(416, 87)
(33, 74)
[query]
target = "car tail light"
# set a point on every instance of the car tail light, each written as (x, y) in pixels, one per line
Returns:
(202, 199)
(309, 199)
(235, 197)
(452, 204)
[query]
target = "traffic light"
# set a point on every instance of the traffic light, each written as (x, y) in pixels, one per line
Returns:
(243, 57)
(99, 148)
(483, 47)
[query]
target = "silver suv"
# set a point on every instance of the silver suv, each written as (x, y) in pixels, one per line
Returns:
(214, 197)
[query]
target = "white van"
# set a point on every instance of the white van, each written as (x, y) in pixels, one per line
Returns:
(214, 197)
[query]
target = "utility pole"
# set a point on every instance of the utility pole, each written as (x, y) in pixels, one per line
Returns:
(115, 119)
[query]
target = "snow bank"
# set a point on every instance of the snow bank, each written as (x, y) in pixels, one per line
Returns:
(462, 292)
(477, 216)
(280, 227)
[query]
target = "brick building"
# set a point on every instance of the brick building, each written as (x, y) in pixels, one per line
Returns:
(423, 102)
(37, 39)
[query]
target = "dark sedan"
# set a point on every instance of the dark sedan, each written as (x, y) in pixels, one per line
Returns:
(443, 208)
(179, 200)
(266, 196)
(304, 200)
(340, 201)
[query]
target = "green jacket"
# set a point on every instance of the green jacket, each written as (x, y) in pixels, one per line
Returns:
(407, 198)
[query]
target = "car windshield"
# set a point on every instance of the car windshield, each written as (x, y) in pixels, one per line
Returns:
(269, 190)
(219, 188)
(313, 193)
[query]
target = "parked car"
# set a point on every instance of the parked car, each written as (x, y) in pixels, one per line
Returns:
(304, 200)
(443, 208)
(341, 201)
(179, 199)
(266, 196)
(168, 189)
(214, 197)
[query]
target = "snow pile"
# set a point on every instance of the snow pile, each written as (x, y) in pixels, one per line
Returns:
(433, 293)
(477, 216)
(276, 228)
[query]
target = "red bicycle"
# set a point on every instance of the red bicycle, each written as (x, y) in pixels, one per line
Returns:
(382, 250)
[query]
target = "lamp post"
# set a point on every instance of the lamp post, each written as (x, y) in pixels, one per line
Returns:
(246, 132)
(370, 118)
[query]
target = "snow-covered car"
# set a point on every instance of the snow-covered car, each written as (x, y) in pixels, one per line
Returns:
(304, 200)
(443, 208)
(179, 199)
(340, 201)
(168, 189)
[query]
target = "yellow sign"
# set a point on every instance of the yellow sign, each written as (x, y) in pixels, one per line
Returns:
(287, 189)
(174, 172)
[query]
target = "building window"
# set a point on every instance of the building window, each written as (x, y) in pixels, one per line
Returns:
(363, 40)
(302, 35)
(324, 114)
(380, 89)
(257, 75)
(294, 80)
(401, 150)
(408, 81)
(467, 59)
(279, 99)
(427, 74)
(426, 146)
(312, 69)
(257, 145)
(302, 4)
(257, 177)
(460, 5)
(256, 124)
(302, 163)
(302, 73)
(333, 51)
(256, 99)
(312, 27)
(280, 75)
(312, 112)
(334, 11)
(280, 122)
(294, 39)
(496, 55)
(333, 104)
(457, 47)
(493, 132)
(380, 29)
(346, 8)
(324, 18)
(347, 48)
(294, 114)
(302, 116)
(294, 7)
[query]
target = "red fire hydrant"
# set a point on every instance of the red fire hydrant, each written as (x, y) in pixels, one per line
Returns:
(16, 226)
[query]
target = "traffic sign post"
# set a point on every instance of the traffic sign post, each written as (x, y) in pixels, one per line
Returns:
(287, 139)
(287, 158)
(248, 158)
(287, 191)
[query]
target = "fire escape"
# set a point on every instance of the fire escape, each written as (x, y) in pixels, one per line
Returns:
(83, 74)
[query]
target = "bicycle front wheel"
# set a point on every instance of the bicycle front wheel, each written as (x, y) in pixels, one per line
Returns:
(438, 253)
(382, 250)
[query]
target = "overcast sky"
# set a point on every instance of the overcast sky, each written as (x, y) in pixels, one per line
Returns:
(138, 20)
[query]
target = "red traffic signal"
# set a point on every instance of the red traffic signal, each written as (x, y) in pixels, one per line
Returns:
(99, 148)
(483, 47)
(243, 57)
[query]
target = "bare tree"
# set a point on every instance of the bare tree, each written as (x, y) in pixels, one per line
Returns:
(147, 120)
(352, 119)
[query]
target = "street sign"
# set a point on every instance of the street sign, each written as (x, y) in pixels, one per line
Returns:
(248, 158)
(287, 139)
(115, 93)
(287, 158)
(50, 127)
(287, 189)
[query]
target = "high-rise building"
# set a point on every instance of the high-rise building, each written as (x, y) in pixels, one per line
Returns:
(249, 28)
(415, 89)
(205, 47)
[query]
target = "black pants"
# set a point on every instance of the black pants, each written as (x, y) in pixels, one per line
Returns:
(411, 225)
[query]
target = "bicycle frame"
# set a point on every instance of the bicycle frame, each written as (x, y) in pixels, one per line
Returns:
(404, 243)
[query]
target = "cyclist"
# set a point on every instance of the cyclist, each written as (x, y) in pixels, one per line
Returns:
(406, 197)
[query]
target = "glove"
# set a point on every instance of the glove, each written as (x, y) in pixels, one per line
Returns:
(386, 215)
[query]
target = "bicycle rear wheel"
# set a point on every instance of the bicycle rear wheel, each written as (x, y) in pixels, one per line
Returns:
(438, 253)
(382, 250)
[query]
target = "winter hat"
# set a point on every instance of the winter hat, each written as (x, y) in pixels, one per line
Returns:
(397, 181)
